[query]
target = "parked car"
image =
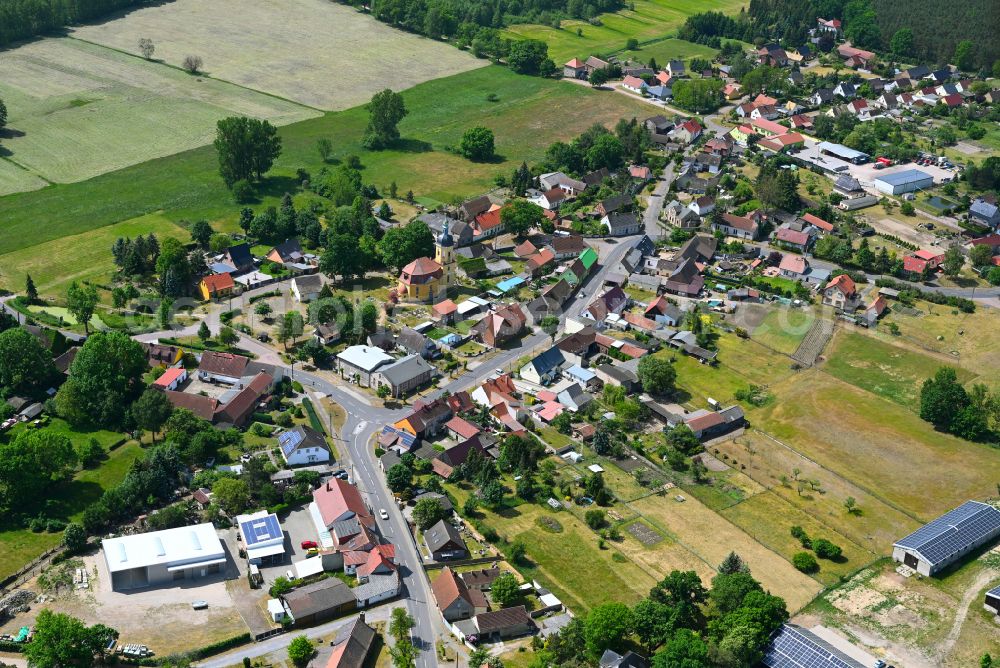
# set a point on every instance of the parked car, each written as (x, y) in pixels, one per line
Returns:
(309, 544)
(383, 514)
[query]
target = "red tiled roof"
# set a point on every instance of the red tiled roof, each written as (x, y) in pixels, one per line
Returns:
(338, 498)
(216, 282)
(633, 82)
(445, 307)
(461, 427)
(489, 220)
(576, 64)
(791, 236)
(203, 407)
(928, 255)
(704, 421)
(844, 284)
(422, 267)
(223, 364)
(239, 407)
(817, 222)
(992, 240)
(448, 588)
(767, 126)
(168, 377)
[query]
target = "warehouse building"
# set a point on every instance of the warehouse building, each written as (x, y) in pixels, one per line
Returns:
(992, 603)
(162, 557)
(796, 647)
(947, 539)
(906, 181)
(842, 152)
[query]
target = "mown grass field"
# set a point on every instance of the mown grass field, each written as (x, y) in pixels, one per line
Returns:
(879, 445)
(784, 328)
(53, 265)
(665, 50)
(528, 114)
(890, 371)
(650, 19)
(319, 53)
(67, 500)
(16, 179)
(77, 110)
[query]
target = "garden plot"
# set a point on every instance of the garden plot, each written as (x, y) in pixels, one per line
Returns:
(315, 52)
(77, 110)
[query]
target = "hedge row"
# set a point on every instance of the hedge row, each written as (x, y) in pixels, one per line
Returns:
(314, 420)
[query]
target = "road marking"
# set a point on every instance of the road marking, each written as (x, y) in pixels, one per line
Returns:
(360, 427)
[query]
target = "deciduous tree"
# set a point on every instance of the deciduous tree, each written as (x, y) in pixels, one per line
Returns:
(246, 148)
(385, 111)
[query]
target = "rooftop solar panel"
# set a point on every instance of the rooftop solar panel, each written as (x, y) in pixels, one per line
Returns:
(994, 592)
(260, 530)
(289, 440)
(954, 532)
(794, 647)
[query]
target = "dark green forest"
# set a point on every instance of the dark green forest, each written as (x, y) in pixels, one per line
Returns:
(934, 29)
(22, 19)
(939, 26)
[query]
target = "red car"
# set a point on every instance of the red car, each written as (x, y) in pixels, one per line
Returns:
(309, 544)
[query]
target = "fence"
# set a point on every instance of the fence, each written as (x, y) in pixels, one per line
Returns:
(29, 571)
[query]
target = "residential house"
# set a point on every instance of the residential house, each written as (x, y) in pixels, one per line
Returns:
(215, 367)
(922, 260)
(732, 91)
(681, 216)
(237, 408)
(550, 199)
(839, 292)
(675, 68)
(874, 310)
(427, 418)
(444, 542)
(574, 398)
(985, 213)
(593, 63)
(239, 258)
(506, 623)
(658, 124)
(326, 334)
(703, 205)
(613, 374)
(821, 96)
(786, 143)
(487, 224)
(846, 90)
(634, 84)
(544, 367)
(500, 325)
(741, 227)
(764, 111)
(622, 224)
(416, 343)
(663, 311)
(767, 128)
(579, 346)
(161, 355)
(474, 207)
(444, 311)
(352, 644)
(575, 69)
(303, 446)
(688, 131)
(793, 239)
(568, 185)
(685, 280)
(570, 245)
(288, 252)
(801, 122)
(828, 25)
(307, 288)
(793, 266)
(217, 286)
(454, 598)
(404, 375)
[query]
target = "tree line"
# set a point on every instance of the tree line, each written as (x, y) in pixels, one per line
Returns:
(22, 19)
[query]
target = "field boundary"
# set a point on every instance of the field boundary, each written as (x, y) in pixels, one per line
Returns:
(815, 341)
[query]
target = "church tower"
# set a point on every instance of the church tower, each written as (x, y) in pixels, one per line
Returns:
(444, 255)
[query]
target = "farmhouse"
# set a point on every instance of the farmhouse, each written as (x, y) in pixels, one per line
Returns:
(163, 557)
(302, 446)
(944, 541)
(352, 645)
(445, 542)
(338, 500)
(922, 260)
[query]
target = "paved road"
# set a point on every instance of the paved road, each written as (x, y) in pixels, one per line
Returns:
(651, 216)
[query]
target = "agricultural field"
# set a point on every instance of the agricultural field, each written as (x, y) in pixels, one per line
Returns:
(880, 446)
(15, 179)
(77, 110)
(53, 265)
(646, 21)
(317, 53)
(892, 372)
(526, 113)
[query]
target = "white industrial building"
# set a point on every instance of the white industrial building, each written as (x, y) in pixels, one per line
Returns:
(162, 557)
(906, 181)
(947, 539)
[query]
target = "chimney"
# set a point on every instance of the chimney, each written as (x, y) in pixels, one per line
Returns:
(361, 617)
(328, 486)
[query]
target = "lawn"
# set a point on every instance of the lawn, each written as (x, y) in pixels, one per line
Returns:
(318, 53)
(15, 179)
(665, 50)
(77, 110)
(68, 500)
(890, 371)
(879, 445)
(783, 328)
(54, 264)
(646, 20)
(527, 115)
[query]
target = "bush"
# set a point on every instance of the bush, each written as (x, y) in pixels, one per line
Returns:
(297, 386)
(805, 562)
(824, 549)
(55, 526)
(595, 518)
(800, 534)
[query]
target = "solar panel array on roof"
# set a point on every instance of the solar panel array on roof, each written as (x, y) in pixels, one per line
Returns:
(954, 532)
(995, 592)
(289, 440)
(260, 530)
(794, 647)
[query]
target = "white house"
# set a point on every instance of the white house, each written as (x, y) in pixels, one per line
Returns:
(361, 361)
(303, 446)
(307, 288)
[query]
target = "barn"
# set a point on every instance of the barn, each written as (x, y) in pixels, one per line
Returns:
(163, 557)
(947, 539)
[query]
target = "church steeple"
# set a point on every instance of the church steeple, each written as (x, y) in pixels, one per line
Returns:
(444, 255)
(445, 239)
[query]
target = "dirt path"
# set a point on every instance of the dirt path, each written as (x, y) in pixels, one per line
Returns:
(971, 593)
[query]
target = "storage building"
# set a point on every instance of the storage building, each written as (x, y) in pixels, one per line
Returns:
(162, 557)
(947, 539)
(906, 181)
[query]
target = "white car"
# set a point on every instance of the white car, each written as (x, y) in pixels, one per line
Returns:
(383, 514)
